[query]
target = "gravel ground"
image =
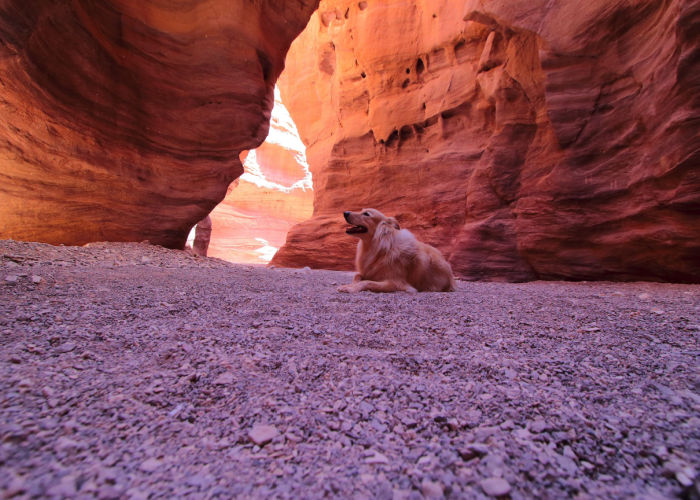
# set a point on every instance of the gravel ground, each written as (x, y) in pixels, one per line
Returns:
(132, 371)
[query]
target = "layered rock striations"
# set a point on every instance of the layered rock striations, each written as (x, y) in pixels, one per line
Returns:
(526, 139)
(124, 120)
(274, 193)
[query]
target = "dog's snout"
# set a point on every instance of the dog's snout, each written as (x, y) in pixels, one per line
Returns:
(346, 214)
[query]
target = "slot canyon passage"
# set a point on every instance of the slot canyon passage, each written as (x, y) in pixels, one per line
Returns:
(532, 142)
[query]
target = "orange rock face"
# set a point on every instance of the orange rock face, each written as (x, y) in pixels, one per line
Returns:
(525, 139)
(273, 194)
(123, 120)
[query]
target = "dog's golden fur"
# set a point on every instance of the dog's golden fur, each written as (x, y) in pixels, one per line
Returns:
(391, 259)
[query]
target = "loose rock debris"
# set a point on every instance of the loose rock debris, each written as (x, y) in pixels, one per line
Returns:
(132, 371)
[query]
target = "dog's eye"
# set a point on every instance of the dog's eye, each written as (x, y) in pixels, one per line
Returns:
(365, 213)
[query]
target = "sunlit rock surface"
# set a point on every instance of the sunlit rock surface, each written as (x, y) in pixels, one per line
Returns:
(123, 120)
(525, 139)
(274, 193)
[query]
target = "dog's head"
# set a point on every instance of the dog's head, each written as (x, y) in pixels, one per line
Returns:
(365, 223)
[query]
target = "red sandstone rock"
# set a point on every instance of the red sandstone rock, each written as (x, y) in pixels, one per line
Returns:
(526, 140)
(123, 120)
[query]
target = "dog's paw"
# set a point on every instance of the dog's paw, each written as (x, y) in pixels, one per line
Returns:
(346, 289)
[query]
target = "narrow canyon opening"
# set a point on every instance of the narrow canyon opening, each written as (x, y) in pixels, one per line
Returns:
(274, 193)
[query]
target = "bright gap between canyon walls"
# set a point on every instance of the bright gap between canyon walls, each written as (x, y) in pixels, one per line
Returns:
(274, 192)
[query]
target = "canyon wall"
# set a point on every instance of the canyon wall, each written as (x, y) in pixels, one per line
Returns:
(525, 139)
(123, 120)
(274, 193)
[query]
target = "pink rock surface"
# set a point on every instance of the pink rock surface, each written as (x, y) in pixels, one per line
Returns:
(526, 140)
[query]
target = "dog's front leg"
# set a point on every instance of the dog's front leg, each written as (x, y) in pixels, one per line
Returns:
(377, 286)
(351, 288)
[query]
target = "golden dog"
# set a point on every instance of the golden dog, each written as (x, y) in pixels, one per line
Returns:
(391, 259)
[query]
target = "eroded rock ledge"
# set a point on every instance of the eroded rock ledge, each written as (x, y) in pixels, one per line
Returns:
(123, 120)
(526, 140)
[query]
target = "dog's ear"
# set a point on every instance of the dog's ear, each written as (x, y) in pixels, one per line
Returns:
(393, 222)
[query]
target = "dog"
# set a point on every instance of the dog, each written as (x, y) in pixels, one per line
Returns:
(391, 259)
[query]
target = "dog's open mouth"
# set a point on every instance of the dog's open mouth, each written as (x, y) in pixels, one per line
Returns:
(356, 229)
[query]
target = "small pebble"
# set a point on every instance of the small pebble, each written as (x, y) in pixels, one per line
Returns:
(224, 379)
(495, 486)
(151, 465)
(261, 434)
(66, 347)
(377, 458)
(432, 489)
(473, 450)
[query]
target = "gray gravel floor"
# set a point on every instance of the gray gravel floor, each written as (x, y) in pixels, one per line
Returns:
(131, 371)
